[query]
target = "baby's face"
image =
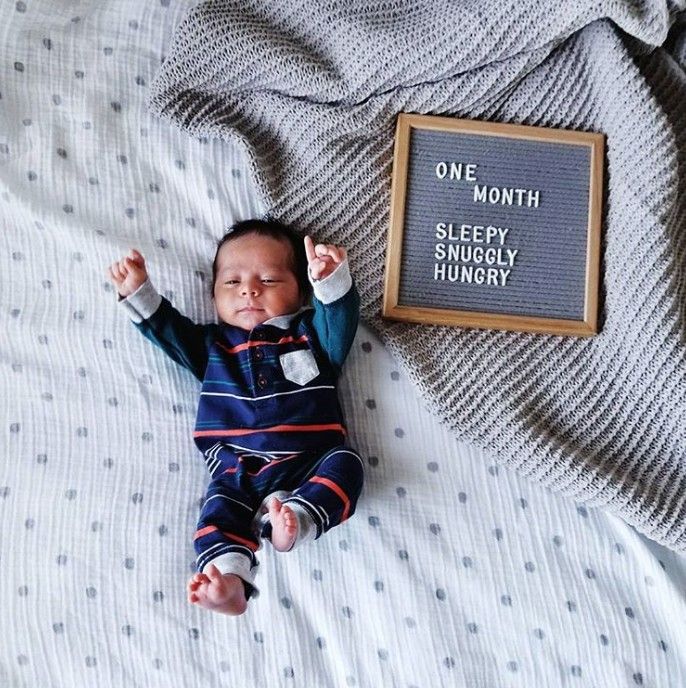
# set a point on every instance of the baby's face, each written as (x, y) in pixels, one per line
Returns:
(255, 281)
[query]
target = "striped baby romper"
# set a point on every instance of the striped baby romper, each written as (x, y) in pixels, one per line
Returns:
(269, 422)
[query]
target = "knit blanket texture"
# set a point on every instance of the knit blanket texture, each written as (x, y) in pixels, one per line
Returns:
(313, 90)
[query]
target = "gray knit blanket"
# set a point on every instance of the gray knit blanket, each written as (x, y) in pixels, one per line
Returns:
(312, 91)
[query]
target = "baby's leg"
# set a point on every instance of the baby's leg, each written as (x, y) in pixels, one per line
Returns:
(327, 498)
(226, 546)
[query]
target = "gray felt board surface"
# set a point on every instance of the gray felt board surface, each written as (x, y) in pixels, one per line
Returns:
(548, 230)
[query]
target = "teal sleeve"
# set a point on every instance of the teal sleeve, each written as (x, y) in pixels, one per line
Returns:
(181, 339)
(336, 323)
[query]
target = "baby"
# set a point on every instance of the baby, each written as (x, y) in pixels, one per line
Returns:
(269, 422)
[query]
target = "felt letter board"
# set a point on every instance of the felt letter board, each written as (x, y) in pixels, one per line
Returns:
(494, 226)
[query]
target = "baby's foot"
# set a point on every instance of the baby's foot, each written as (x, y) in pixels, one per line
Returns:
(220, 593)
(284, 525)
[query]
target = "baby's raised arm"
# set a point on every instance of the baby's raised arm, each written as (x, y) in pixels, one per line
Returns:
(128, 273)
(185, 342)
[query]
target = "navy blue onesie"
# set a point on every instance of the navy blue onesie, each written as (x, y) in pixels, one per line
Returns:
(269, 421)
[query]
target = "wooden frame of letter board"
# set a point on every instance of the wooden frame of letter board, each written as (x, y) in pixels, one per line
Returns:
(442, 316)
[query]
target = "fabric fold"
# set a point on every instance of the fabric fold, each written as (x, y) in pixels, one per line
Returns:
(313, 92)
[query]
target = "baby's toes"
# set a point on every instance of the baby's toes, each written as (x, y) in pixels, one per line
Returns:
(193, 595)
(196, 581)
(289, 519)
(274, 509)
(198, 592)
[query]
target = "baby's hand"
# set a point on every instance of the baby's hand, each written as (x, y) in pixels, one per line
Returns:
(323, 259)
(128, 273)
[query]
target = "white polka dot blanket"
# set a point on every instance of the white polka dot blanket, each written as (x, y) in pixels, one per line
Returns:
(454, 570)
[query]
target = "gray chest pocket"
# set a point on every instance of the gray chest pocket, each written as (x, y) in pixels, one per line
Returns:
(299, 366)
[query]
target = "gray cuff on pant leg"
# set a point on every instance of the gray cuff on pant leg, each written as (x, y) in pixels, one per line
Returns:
(239, 565)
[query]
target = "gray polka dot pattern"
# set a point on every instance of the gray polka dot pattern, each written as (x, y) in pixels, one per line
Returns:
(489, 580)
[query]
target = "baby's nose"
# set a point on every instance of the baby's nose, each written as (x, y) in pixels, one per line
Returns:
(251, 288)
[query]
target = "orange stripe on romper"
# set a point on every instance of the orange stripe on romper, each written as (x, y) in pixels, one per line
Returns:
(275, 428)
(248, 345)
(210, 529)
(332, 486)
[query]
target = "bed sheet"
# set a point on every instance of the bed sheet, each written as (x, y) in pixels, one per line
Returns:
(454, 570)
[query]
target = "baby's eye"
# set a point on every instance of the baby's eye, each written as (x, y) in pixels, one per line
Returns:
(231, 282)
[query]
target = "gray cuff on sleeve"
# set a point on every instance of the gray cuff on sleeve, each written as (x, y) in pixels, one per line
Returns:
(333, 287)
(142, 303)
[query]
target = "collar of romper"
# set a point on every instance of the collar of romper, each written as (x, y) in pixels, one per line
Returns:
(283, 321)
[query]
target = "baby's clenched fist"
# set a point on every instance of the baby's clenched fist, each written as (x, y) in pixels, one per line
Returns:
(128, 273)
(323, 259)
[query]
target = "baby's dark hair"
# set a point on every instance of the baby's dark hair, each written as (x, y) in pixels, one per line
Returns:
(271, 227)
